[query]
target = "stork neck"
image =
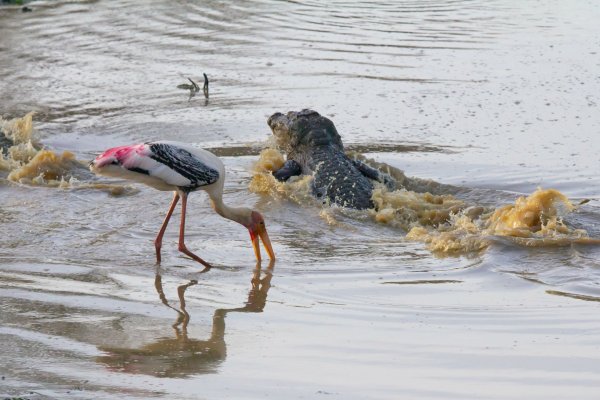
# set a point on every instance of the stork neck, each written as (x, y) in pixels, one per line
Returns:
(232, 213)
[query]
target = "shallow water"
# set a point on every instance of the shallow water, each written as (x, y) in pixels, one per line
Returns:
(491, 98)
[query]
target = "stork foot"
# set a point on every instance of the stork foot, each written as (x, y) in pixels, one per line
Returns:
(184, 250)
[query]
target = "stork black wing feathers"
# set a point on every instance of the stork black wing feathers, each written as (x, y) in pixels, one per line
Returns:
(184, 163)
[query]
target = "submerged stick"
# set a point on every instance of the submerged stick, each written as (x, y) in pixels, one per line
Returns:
(205, 87)
(195, 86)
(192, 88)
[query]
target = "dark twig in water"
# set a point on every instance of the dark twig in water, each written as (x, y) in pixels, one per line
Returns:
(205, 88)
(195, 86)
(192, 88)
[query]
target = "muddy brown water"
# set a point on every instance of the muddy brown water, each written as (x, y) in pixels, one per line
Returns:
(491, 98)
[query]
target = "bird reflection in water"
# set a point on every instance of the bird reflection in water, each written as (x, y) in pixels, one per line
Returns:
(181, 356)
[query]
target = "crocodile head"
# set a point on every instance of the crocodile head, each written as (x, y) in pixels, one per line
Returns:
(303, 130)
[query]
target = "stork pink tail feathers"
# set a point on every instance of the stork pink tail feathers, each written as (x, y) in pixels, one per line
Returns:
(124, 155)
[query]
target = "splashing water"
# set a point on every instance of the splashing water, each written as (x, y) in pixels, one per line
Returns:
(18, 130)
(27, 163)
(448, 225)
(297, 188)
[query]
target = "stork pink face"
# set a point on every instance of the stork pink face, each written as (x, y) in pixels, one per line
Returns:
(119, 155)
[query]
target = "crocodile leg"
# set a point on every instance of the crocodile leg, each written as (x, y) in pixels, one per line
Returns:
(375, 174)
(290, 168)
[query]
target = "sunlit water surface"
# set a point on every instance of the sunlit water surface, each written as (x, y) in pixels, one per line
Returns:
(494, 98)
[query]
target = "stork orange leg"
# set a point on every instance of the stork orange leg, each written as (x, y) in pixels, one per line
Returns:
(182, 247)
(163, 228)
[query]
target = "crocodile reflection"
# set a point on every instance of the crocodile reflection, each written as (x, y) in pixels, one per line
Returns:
(181, 356)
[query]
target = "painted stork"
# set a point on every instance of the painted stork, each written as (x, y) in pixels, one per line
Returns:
(181, 168)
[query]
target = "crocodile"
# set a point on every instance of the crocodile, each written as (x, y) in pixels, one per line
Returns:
(314, 147)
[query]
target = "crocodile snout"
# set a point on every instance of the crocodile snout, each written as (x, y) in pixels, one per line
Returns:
(275, 120)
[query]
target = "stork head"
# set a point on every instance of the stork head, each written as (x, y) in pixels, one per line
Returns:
(255, 224)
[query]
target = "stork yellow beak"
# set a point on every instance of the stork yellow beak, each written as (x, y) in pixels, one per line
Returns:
(261, 232)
